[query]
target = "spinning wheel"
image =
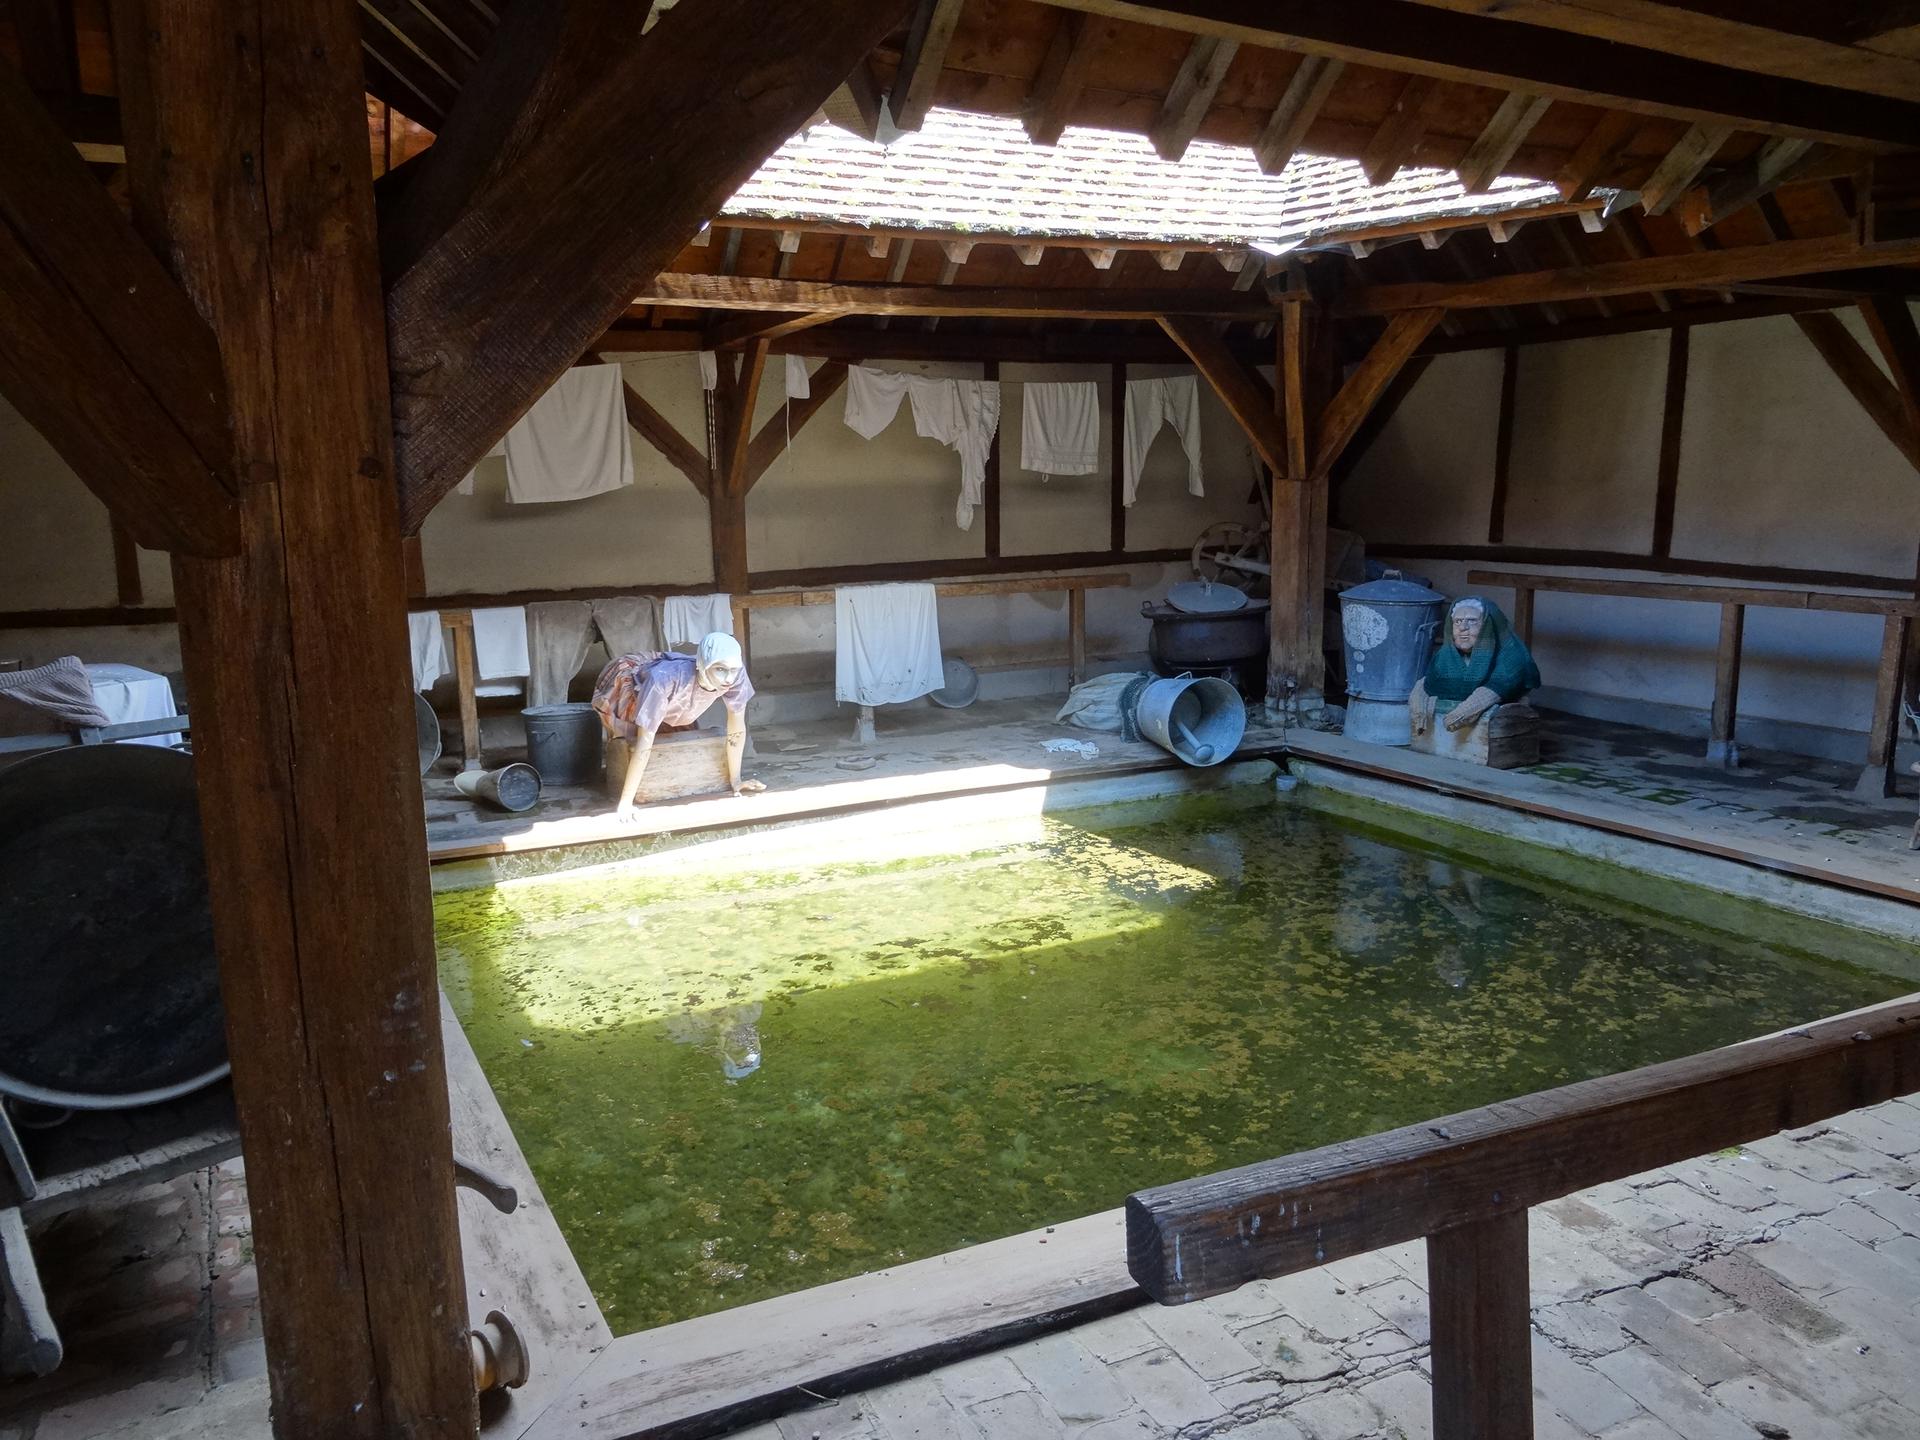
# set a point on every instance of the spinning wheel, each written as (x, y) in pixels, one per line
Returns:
(1231, 551)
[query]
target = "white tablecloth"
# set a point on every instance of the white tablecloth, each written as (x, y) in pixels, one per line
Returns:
(128, 693)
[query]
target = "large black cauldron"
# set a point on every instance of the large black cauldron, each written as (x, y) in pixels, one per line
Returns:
(1229, 643)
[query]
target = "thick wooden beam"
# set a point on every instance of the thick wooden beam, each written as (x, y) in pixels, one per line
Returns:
(1477, 1284)
(1062, 78)
(740, 292)
(1484, 1164)
(296, 661)
(1400, 133)
(1704, 270)
(1595, 157)
(1760, 174)
(1313, 80)
(1191, 95)
(101, 350)
(729, 334)
(1481, 50)
(1830, 46)
(1890, 322)
(1240, 389)
(1405, 334)
(554, 249)
(1672, 428)
(1683, 164)
(661, 433)
(1490, 155)
(920, 63)
(736, 429)
(1865, 381)
(792, 418)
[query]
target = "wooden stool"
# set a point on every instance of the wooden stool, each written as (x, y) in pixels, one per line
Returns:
(1505, 738)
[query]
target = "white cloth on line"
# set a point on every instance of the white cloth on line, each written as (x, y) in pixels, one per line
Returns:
(799, 382)
(709, 370)
(1173, 400)
(500, 649)
(963, 415)
(466, 486)
(689, 619)
(1060, 427)
(559, 633)
(886, 644)
(573, 443)
(126, 693)
(428, 644)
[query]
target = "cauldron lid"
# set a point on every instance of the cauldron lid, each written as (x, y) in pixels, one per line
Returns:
(1202, 597)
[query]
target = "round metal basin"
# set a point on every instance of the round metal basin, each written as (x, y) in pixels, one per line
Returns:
(106, 940)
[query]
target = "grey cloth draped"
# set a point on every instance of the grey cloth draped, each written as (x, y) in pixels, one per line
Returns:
(59, 690)
(560, 631)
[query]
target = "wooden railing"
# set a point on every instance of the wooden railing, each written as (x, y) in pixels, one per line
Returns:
(1464, 1183)
(1899, 612)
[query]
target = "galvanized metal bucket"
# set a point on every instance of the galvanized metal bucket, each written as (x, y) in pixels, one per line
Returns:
(1199, 720)
(1387, 628)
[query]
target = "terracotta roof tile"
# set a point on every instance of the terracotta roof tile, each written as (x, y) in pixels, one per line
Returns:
(963, 172)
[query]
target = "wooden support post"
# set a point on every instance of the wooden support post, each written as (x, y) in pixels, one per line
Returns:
(466, 672)
(247, 153)
(1076, 635)
(990, 481)
(1523, 614)
(1117, 438)
(1482, 1335)
(1503, 447)
(1672, 424)
(126, 564)
(1722, 749)
(1295, 672)
(1883, 739)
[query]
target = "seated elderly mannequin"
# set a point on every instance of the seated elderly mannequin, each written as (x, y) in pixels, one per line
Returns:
(637, 694)
(1481, 665)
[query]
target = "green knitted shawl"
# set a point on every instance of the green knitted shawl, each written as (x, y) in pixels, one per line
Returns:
(1499, 660)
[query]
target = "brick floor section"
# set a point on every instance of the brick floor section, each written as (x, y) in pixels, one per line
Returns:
(1775, 1286)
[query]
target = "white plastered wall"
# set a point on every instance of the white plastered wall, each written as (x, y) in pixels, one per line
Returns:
(1779, 466)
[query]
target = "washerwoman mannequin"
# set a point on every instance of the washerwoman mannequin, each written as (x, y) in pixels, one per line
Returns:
(1482, 664)
(637, 694)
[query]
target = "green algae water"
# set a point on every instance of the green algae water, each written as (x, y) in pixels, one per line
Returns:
(736, 1085)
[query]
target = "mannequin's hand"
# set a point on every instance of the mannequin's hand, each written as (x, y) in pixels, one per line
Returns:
(749, 787)
(1472, 708)
(1419, 708)
(625, 814)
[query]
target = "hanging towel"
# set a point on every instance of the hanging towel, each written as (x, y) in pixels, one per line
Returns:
(558, 633)
(709, 370)
(500, 649)
(629, 624)
(573, 442)
(873, 398)
(1173, 401)
(1060, 427)
(799, 384)
(59, 691)
(429, 647)
(886, 644)
(689, 619)
(962, 415)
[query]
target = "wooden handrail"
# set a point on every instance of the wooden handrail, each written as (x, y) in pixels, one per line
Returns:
(1767, 597)
(1465, 1182)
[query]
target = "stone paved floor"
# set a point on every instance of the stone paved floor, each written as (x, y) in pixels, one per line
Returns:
(1768, 1291)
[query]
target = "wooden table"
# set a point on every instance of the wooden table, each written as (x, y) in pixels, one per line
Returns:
(1899, 611)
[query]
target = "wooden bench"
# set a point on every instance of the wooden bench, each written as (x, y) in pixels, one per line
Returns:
(1876, 780)
(1465, 1182)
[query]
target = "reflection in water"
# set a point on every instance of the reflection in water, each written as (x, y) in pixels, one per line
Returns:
(975, 1046)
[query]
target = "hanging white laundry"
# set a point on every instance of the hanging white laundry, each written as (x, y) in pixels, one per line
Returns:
(709, 370)
(886, 644)
(689, 619)
(573, 442)
(499, 448)
(1060, 427)
(964, 416)
(873, 399)
(1173, 400)
(500, 648)
(429, 648)
(799, 384)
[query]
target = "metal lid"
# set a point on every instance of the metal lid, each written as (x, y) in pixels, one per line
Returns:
(1393, 590)
(1206, 597)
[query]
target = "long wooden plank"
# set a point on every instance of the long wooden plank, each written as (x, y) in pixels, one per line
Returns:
(1405, 334)
(1063, 75)
(731, 333)
(915, 81)
(1240, 389)
(1767, 598)
(1191, 95)
(1682, 165)
(1398, 135)
(296, 658)
(554, 249)
(1486, 160)
(1299, 106)
(949, 590)
(1701, 270)
(1890, 321)
(1865, 381)
(1673, 413)
(1480, 50)
(1594, 158)
(100, 349)
(743, 292)
(1207, 1236)
(792, 418)
(1503, 447)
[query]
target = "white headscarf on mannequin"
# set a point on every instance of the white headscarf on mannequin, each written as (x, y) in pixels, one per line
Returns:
(718, 663)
